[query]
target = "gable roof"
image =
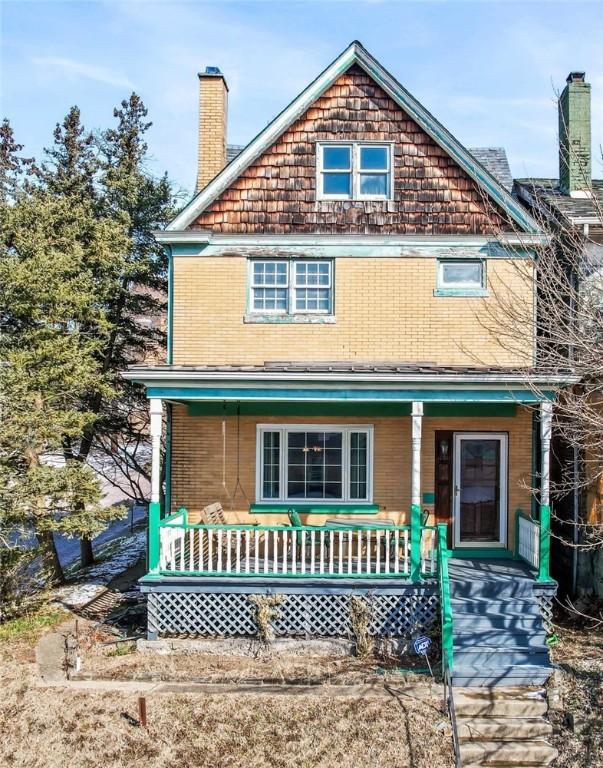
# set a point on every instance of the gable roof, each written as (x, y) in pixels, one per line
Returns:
(356, 54)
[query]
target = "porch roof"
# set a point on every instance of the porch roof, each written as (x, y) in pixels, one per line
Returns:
(346, 382)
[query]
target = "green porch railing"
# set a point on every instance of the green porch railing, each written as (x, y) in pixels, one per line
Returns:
(445, 604)
(367, 549)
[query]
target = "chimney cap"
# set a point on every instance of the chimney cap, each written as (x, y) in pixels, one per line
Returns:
(212, 71)
(576, 77)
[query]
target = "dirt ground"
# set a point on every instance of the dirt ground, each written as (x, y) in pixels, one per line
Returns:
(55, 727)
(579, 725)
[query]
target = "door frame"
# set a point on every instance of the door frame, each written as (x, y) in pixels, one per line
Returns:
(503, 439)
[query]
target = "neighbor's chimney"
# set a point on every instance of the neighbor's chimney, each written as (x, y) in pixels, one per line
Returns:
(213, 108)
(574, 137)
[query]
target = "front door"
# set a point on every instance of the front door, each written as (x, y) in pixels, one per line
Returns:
(480, 489)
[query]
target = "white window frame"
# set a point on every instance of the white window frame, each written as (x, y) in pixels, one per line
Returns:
(463, 285)
(291, 288)
(284, 429)
(355, 170)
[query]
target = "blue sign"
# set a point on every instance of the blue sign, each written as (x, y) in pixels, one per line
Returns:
(421, 645)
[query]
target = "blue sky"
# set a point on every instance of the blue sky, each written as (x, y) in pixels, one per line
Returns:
(487, 70)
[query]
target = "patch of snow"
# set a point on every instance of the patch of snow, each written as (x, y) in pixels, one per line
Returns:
(91, 582)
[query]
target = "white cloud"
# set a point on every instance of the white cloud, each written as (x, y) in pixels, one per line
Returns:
(79, 69)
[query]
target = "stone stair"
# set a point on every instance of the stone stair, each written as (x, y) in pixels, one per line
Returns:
(498, 634)
(503, 726)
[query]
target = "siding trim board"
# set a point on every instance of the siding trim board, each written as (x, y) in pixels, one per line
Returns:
(345, 395)
(356, 54)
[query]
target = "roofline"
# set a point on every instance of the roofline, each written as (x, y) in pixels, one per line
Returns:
(203, 237)
(156, 375)
(355, 53)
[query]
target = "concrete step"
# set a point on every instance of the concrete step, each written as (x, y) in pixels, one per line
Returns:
(466, 636)
(510, 608)
(503, 728)
(499, 703)
(498, 753)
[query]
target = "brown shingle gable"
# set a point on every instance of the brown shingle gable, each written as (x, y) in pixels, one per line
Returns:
(277, 192)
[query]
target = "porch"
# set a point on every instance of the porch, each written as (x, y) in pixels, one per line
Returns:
(401, 479)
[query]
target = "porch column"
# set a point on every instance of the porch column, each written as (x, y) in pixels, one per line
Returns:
(156, 410)
(546, 418)
(415, 493)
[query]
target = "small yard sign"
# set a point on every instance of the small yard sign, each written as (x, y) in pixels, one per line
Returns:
(421, 646)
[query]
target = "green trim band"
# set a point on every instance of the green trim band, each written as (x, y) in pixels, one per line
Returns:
(485, 552)
(415, 542)
(545, 544)
(153, 536)
(314, 509)
(270, 394)
(334, 409)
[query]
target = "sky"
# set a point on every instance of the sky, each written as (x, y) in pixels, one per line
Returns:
(489, 71)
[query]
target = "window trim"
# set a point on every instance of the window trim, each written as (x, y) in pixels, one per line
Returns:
(290, 310)
(283, 429)
(355, 170)
(460, 289)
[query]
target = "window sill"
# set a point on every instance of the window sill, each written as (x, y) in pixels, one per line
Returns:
(253, 317)
(309, 508)
(475, 292)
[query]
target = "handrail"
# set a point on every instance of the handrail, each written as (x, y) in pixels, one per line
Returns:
(285, 527)
(182, 512)
(445, 604)
(447, 639)
(449, 704)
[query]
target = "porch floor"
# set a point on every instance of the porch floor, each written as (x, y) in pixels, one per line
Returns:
(503, 569)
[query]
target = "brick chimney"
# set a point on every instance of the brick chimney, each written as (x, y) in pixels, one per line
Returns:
(213, 108)
(574, 137)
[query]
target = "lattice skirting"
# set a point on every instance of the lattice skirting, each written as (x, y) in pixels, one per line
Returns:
(222, 614)
(545, 603)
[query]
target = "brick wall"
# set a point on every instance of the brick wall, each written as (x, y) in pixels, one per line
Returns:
(201, 459)
(213, 103)
(385, 311)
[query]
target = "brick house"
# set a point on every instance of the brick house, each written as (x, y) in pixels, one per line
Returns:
(339, 419)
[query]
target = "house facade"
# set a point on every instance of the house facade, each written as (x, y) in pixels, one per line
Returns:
(340, 415)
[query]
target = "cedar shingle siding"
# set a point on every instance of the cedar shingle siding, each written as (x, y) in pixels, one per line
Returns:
(277, 192)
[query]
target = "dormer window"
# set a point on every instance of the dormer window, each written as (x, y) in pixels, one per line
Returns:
(354, 171)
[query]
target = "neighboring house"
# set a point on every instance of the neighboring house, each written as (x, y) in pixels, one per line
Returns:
(331, 384)
(572, 207)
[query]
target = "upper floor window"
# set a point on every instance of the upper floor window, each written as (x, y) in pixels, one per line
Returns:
(354, 171)
(291, 287)
(461, 277)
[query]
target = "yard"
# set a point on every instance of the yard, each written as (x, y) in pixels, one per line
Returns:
(48, 727)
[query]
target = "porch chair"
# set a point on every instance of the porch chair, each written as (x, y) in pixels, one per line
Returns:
(213, 514)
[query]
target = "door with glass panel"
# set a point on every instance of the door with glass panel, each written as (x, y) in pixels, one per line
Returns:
(480, 489)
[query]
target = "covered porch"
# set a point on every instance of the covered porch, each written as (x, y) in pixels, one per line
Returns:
(324, 485)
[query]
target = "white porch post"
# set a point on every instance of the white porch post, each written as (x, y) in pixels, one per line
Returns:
(156, 411)
(415, 493)
(156, 408)
(546, 420)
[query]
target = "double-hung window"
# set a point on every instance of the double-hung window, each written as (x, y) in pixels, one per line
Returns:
(304, 463)
(461, 277)
(291, 287)
(354, 171)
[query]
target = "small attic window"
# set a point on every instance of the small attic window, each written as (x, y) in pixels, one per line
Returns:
(354, 171)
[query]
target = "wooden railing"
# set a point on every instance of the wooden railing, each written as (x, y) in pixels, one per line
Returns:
(363, 551)
(528, 539)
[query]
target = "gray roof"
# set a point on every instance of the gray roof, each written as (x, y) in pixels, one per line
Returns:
(547, 190)
(232, 150)
(494, 160)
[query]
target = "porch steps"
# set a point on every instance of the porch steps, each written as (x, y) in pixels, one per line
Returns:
(498, 634)
(503, 727)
